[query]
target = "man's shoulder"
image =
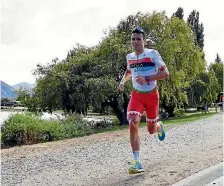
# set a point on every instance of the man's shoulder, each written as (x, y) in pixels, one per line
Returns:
(152, 53)
(130, 55)
(149, 51)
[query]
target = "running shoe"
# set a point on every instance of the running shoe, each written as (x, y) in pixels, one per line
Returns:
(136, 168)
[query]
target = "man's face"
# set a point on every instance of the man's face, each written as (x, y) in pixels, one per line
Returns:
(137, 41)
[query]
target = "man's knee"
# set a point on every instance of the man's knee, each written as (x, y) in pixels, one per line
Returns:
(134, 123)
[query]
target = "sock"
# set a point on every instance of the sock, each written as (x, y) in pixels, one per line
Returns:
(159, 123)
(136, 155)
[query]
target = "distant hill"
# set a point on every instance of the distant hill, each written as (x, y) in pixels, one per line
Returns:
(23, 85)
(7, 91)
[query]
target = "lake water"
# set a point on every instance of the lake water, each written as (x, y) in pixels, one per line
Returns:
(5, 114)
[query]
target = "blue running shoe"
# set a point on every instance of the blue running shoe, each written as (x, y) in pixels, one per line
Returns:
(161, 133)
(136, 168)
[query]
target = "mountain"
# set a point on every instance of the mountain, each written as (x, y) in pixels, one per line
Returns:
(23, 85)
(7, 91)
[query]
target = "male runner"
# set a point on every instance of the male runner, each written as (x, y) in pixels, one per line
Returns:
(145, 67)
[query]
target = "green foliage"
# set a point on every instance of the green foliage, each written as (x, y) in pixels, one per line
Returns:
(178, 112)
(204, 87)
(116, 122)
(28, 128)
(75, 126)
(174, 41)
(218, 59)
(3, 100)
(28, 99)
(217, 68)
(197, 28)
(179, 13)
(89, 77)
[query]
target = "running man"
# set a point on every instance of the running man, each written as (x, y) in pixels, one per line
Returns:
(144, 67)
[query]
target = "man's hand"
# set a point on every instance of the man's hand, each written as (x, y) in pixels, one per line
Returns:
(126, 77)
(121, 87)
(141, 80)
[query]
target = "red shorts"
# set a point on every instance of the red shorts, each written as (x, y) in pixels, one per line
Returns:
(144, 101)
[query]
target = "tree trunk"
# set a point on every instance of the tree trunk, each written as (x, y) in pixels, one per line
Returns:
(120, 115)
(114, 104)
(170, 111)
(125, 105)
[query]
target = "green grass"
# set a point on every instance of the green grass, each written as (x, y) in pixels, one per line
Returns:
(189, 118)
(20, 129)
(180, 120)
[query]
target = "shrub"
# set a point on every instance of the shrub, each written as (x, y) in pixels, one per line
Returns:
(178, 112)
(21, 129)
(52, 130)
(116, 122)
(27, 128)
(75, 126)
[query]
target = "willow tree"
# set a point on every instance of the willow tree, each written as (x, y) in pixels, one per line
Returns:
(89, 77)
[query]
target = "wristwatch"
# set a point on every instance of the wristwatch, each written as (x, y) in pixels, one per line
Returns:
(147, 79)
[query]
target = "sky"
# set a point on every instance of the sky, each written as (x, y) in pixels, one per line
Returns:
(34, 32)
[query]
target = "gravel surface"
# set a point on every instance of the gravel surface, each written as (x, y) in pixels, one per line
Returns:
(104, 159)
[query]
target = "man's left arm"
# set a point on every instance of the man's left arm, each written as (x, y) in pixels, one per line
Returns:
(163, 72)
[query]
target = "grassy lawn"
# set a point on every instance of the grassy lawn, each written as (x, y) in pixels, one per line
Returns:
(189, 118)
(75, 127)
(180, 120)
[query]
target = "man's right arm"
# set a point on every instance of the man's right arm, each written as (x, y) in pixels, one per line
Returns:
(126, 77)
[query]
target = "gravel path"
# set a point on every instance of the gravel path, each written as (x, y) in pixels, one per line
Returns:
(104, 159)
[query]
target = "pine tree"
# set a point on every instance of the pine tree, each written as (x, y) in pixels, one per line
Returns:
(197, 28)
(218, 59)
(179, 13)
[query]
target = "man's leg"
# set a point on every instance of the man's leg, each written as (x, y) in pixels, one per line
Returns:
(152, 113)
(135, 109)
(153, 127)
(134, 121)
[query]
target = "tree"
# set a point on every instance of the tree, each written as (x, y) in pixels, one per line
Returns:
(197, 28)
(218, 59)
(28, 99)
(3, 100)
(217, 68)
(6, 102)
(179, 13)
(204, 88)
(89, 77)
(184, 61)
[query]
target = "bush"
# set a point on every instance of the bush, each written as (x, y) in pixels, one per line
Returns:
(52, 130)
(103, 124)
(116, 122)
(21, 129)
(27, 128)
(75, 126)
(178, 112)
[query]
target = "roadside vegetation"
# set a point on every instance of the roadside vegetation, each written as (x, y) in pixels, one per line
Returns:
(27, 128)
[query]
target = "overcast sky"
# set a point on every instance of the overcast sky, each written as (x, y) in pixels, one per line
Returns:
(36, 31)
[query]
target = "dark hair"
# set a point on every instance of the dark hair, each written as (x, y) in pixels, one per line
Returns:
(139, 30)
